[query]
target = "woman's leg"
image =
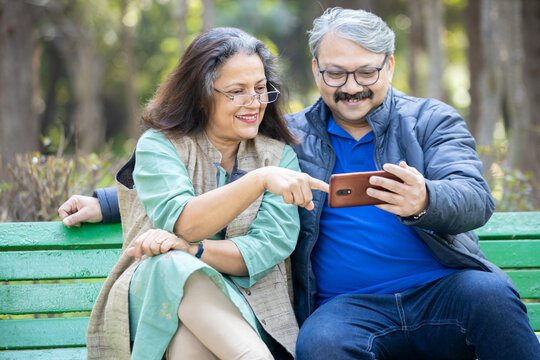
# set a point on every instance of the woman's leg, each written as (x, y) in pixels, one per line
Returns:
(214, 320)
(184, 345)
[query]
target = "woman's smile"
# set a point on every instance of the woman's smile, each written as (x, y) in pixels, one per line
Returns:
(248, 118)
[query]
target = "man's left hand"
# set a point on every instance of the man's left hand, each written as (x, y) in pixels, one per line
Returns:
(404, 199)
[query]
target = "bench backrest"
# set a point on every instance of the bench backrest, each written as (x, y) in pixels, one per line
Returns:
(512, 242)
(50, 276)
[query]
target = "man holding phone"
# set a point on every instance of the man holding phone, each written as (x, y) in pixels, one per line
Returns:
(404, 279)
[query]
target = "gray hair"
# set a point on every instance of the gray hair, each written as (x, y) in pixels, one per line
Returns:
(228, 42)
(364, 28)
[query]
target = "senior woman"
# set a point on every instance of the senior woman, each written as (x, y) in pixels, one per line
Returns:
(208, 202)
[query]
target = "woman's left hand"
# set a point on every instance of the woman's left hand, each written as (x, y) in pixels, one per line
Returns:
(156, 241)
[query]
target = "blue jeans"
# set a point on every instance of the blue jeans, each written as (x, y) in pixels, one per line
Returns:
(465, 315)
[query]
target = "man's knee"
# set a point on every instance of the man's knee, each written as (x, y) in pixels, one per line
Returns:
(324, 338)
(488, 292)
(314, 338)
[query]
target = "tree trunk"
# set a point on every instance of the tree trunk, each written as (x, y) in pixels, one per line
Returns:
(209, 15)
(86, 72)
(19, 71)
(74, 40)
(132, 103)
(415, 45)
(433, 32)
(531, 31)
(516, 94)
(474, 55)
(53, 75)
(181, 15)
(294, 50)
(490, 78)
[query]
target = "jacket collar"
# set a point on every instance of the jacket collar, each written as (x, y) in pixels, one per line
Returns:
(379, 119)
(317, 116)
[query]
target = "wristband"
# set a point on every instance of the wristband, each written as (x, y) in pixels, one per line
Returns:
(200, 250)
(422, 213)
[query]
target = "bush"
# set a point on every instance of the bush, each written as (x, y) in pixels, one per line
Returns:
(37, 184)
(512, 189)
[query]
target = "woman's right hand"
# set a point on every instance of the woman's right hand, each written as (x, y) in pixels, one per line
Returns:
(156, 241)
(295, 187)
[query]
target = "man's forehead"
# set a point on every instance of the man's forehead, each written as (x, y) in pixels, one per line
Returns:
(333, 60)
(338, 51)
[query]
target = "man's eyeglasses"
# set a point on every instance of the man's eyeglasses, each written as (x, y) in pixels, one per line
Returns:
(247, 99)
(363, 76)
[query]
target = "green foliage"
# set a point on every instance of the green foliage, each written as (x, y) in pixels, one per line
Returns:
(158, 46)
(512, 189)
(37, 184)
(516, 191)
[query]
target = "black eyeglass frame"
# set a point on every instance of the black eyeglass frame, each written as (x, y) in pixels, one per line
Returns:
(253, 96)
(354, 73)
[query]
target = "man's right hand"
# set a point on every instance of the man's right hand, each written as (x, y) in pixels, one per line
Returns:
(79, 209)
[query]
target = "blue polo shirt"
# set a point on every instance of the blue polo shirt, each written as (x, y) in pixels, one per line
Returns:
(364, 249)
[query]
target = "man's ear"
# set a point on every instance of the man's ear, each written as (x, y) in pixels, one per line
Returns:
(315, 70)
(391, 65)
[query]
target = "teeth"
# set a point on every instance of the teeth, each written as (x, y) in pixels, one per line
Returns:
(243, 117)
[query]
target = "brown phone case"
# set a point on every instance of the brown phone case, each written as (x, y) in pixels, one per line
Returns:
(350, 189)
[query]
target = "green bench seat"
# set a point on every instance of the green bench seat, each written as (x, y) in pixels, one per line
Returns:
(50, 277)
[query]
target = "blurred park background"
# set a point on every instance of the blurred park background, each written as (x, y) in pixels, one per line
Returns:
(75, 74)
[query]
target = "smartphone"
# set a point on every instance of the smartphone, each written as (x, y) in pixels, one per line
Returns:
(349, 189)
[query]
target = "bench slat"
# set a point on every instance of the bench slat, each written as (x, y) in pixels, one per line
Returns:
(54, 235)
(515, 225)
(45, 354)
(533, 310)
(36, 333)
(57, 264)
(512, 253)
(527, 282)
(48, 298)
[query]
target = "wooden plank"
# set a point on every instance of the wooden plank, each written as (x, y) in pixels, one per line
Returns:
(57, 264)
(36, 333)
(512, 253)
(533, 310)
(45, 354)
(54, 235)
(48, 298)
(527, 282)
(515, 225)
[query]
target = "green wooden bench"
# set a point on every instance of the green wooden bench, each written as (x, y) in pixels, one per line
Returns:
(51, 275)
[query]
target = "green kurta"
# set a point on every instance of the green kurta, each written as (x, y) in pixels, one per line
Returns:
(164, 188)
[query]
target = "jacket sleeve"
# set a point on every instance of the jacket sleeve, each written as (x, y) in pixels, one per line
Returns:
(108, 200)
(459, 197)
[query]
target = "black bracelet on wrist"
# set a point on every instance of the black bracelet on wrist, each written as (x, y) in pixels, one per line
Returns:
(199, 250)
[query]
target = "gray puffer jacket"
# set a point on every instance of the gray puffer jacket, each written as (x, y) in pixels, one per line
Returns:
(430, 136)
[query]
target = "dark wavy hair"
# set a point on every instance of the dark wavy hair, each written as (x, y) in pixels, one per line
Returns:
(182, 103)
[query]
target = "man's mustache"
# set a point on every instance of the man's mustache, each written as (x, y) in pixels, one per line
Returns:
(366, 94)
